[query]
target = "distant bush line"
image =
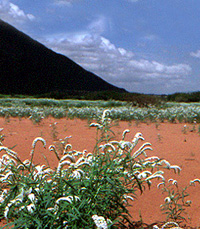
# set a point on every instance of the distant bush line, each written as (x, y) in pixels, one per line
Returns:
(137, 99)
(185, 97)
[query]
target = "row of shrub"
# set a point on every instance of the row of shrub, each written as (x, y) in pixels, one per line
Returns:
(136, 99)
(36, 109)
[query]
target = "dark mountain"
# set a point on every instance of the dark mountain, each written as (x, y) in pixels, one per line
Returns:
(28, 67)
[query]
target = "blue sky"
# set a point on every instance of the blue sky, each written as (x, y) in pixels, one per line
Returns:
(146, 46)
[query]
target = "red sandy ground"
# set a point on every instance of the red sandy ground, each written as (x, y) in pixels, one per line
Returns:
(168, 141)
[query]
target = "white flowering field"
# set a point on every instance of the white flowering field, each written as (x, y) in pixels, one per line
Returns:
(36, 109)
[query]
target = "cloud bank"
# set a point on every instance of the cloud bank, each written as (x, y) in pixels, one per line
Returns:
(11, 13)
(115, 64)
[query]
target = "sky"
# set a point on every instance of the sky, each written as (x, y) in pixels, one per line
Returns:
(145, 46)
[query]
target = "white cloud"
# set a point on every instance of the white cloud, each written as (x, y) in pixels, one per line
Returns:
(11, 13)
(133, 0)
(151, 37)
(64, 2)
(115, 64)
(153, 68)
(195, 54)
(98, 26)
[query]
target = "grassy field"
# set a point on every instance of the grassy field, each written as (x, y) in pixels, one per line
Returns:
(36, 109)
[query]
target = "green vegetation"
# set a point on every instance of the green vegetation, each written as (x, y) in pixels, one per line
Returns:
(37, 109)
(185, 97)
(66, 103)
(176, 202)
(135, 99)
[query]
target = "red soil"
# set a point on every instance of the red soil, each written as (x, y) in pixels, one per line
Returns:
(168, 141)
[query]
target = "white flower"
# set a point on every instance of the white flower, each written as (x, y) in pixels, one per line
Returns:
(26, 162)
(158, 186)
(176, 168)
(5, 177)
(128, 197)
(77, 173)
(69, 199)
(157, 174)
(137, 137)
(1, 199)
(83, 163)
(68, 146)
(142, 149)
(3, 194)
(166, 225)
(152, 158)
(99, 126)
(31, 208)
(124, 144)
(38, 139)
(167, 199)
(31, 197)
(15, 201)
(50, 209)
(107, 146)
(174, 182)
(155, 227)
(100, 222)
(144, 174)
(72, 159)
(124, 133)
(7, 150)
(60, 165)
(193, 181)
(136, 165)
(168, 166)
(6, 211)
(105, 115)
(188, 202)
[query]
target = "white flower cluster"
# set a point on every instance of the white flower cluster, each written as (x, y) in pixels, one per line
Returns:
(19, 199)
(100, 222)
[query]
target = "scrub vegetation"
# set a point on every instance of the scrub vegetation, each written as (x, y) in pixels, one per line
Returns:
(37, 109)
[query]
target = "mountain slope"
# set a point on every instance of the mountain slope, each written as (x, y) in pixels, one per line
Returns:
(28, 67)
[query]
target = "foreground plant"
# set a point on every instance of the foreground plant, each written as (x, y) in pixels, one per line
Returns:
(85, 190)
(176, 202)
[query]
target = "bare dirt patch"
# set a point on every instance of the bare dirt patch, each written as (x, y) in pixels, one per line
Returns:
(178, 145)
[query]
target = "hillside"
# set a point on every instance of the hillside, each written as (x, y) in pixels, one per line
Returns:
(28, 67)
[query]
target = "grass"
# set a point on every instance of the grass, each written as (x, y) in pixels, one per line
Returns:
(37, 109)
(32, 102)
